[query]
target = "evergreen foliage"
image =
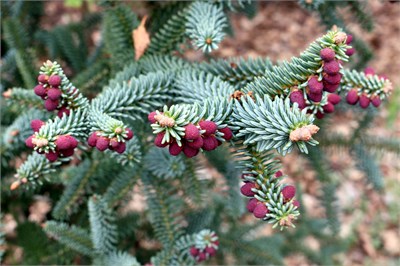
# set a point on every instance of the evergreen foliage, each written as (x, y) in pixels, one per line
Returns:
(115, 108)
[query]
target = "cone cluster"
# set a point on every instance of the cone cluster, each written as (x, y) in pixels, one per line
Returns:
(103, 143)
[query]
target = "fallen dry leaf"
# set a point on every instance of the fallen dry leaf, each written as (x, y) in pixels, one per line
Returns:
(141, 39)
(391, 242)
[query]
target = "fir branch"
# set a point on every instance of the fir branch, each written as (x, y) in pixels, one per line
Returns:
(268, 124)
(17, 38)
(74, 190)
(238, 71)
(170, 35)
(92, 76)
(73, 237)
(172, 166)
(23, 98)
(164, 208)
(205, 25)
(120, 186)
(165, 63)
(195, 86)
(119, 258)
(35, 170)
(135, 97)
(367, 163)
(132, 155)
(281, 78)
(104, 233)
(117, 30)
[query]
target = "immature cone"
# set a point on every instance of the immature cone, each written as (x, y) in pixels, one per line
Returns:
(251, 205)
(164, 120)
(327, 54)
(191, 132)
(50, 105)
(314, 85)
(55, 80)
(158, 140)
(350, 51)
(334, 98)
(376, 100)
(54, 94)
(315, 97)
(36, 124)
(92, 139)
(28, 142)
(195, 144)
(303, 133)
(369, 71)
(67, 152)
(120, 148)
(39, 90)
(246, 189)
(328, 108)
(288, 192)
(352, 97)
(52, 156)
(260, 210)
(129, 134)
(209, 126)
(278, 174)
(194, 251)
(102, 143)
(296, 203)
(333, 79)
(227, 133)
(364, 101)
(331, 87)
(175, 149)
(349, 38)
(63, 110)
(209, 143)
(151, 118)
(190, 152)
(42, 78)
(297, 97)
(331, 67)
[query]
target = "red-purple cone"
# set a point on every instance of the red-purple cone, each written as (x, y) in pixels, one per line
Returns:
(334, 98)
(129, 134)
(210, 250)
(349, 38)
(28, 142)
(319, 115)
(120, 148)
(151, 118)
(296, 203)
(202, 256)
(331, 87)
(327, 54)
(190, 152)
(52, 156)
(194, 251)
(278, 174)
(352, 97)
(42, 78)
(92, 139)
(39, 90)
(63, 110)
(191, 132)
(315, 97)
(36, 124)
(288, 192)
(328, 108)
(369, 71)
(55, 80)
(350, 51)
(50, 105)
(297, 97)
(175, 149)
(227, 133)
(73, 142)
(251, 205)
(209, 143)
(331, 67)
(246, 189)
(260, 210)
(333, 79)
(63, 142)
(196, 144)
(102, 143)
(54, 94)
(364, 101)
(158, 140)
(314, 85)
(376, 100)
(209, 126)
(67, 152)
